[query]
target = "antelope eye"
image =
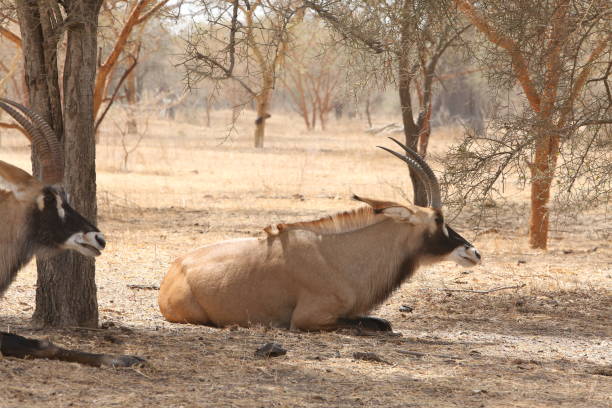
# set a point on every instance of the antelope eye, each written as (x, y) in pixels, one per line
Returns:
(49, 199)
(439, 220)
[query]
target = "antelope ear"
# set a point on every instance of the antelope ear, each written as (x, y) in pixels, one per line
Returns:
(8, 189)
(15, 181)
(400, 213)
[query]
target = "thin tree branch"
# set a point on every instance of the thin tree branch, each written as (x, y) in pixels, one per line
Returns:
(116, 91)
(351, 33)
(519, 63)
(151, 12)
(12, 37)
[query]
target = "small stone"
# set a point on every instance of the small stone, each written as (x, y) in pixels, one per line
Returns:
(270, 350)
(406, 309)
(369, 357)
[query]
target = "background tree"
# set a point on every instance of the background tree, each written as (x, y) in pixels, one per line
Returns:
(123, 22)
(10, 53)
(312, 74)
(126, 21)
(406, 41)
(60, 39)
(558, 53)
(66, 291)
(244, 41)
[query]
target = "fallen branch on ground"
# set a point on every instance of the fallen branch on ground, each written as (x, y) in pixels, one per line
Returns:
(420, 354)
(484, 291)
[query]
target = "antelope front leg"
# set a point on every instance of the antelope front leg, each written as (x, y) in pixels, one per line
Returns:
(12, 345)
(365, 323)
(323, 313)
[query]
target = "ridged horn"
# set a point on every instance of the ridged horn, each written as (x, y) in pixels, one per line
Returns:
(44, 139)
(418, 170)
(434, 185)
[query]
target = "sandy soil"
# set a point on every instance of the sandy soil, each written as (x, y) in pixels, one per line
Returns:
(545, 343)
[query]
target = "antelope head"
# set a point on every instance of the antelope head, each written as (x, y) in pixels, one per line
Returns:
(442, 242)
(38, 212)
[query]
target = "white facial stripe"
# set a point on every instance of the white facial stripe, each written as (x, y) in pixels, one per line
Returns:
(60, 209)
(40, 202)
(445, 230)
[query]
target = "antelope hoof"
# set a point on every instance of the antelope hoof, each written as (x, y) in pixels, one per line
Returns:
(367, 323)
(122, 361)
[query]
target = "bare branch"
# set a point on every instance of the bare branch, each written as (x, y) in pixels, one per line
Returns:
(119, 84)
(520, 64)
(349, 32)
(9, 35)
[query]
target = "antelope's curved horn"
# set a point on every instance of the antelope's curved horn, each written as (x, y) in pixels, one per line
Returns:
(43, 137)
(418, 170)
(434, 185)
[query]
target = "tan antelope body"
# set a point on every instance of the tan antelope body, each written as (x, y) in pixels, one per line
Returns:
(318, 275)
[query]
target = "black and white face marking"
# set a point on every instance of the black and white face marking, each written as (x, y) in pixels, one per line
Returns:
(464, 254)
(59, 226)
(452, 246)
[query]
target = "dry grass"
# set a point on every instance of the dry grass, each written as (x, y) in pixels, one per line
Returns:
(547, 343)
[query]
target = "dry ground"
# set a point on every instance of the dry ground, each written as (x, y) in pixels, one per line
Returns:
(545, 344)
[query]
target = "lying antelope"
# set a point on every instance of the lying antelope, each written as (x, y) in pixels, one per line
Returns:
(319, 275)
(37, 220)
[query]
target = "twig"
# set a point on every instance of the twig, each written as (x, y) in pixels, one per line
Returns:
(140, 372)
(419, 354)
(484, 291)
(144, 287)
(96, 329)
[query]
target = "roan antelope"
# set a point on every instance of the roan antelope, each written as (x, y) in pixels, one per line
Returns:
(319, 275)
(37, 220)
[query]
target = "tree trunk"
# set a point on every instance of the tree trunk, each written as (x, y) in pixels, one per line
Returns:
(542, 173)
(263, 102)
(66, 292)
(424, 129)
(35, 69)
(130, 93)
(411, 131)
(208, 108)
(368, 114)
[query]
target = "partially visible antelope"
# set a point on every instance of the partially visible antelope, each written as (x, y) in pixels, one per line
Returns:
(319, 275)
(37, 220)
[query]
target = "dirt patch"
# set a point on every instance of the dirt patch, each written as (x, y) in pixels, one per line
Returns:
(546, 343)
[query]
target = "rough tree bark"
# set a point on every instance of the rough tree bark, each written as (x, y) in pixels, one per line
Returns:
(406, 74)
(66, 292)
